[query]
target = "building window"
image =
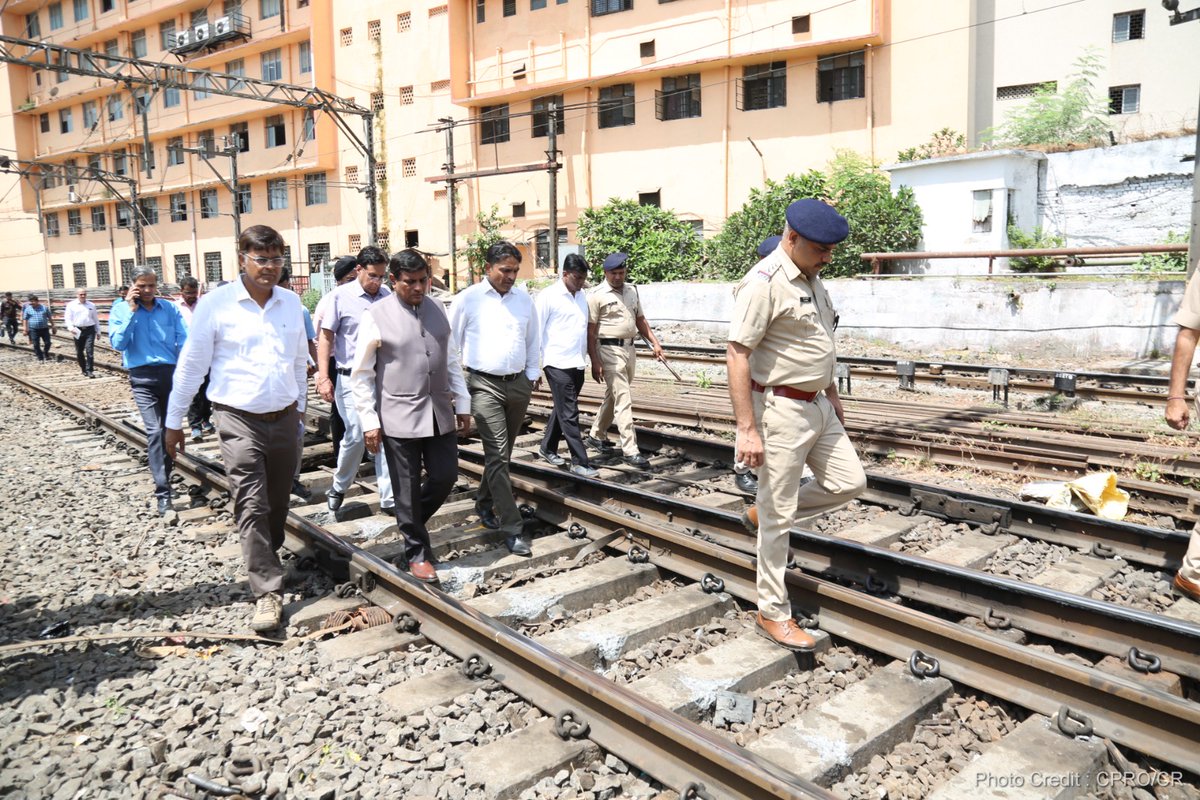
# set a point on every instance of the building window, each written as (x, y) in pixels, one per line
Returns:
(120, 161)
(149, 207)
(480, 11)
(179, 207)
(509, 8)
(801, 24)
(102, 276)
(534, 5)
(518, 209)
(1124, 99)
(404, 21)
(616, 105)
(381, 172)
(412, 238)
(79, 269)
(127, 270)
(384, 241)
(541, 245)
(406, 95)
(199, 16)
(208, 204)
(166, 35)
(81, 10)
(377, 101)
(351, 174)
(272, 65)
(212, 268)
(541, 115)
(44, 123)
(242, 200)
(206, 143)
(236, 67)
(51, 224)
(840, 77)
(137, 44)
(1020, 91)
(99, 221)
(65, 122)
(74, 223)
(439, 11)
(679, 97)
(170, 96)
(305, 57)
(408, 168)
(318, 256)
(373, 30)
(646, 49)
(155, 263)
(123, 217)
(201, 87)
(90, 115)
(56, 16)
(315, 192)
(763, 86)
(276, 132)
(494, 126)
(346, 37)
(277, 194)
(33, 26)
(268, 9)
(981, 210)
(355, 242)
(141, 102)
(56, 276)
(183, 266)
(239, 135)
(602, 7)
(1130, 25)
(439, 86)
(650, 198)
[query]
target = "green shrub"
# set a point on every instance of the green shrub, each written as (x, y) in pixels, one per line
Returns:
(660, 247)
(945, 142)
(1165, 262)
(1037, 240)
(1056, 118)
(310, 298)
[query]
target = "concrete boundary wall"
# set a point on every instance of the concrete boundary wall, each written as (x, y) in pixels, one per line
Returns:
(1076, 318)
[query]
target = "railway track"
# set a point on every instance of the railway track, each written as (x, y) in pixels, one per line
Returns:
(601, 540)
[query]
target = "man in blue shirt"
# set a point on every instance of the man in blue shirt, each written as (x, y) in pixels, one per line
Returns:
(149, 332)
(39, 324)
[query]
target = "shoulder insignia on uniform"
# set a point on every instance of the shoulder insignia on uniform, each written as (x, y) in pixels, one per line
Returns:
(764, 272)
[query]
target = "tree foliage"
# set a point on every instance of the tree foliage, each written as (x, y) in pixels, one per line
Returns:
(660, 247)
(1037, 240)
(879, 221)
(487, 233)
(1055, 118)
(946, 142)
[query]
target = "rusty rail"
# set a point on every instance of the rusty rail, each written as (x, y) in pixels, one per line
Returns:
(875, 259)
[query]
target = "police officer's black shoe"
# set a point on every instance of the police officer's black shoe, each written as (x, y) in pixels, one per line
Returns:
(637, 460)
(746, 482)
(487, 517)
(334, 499)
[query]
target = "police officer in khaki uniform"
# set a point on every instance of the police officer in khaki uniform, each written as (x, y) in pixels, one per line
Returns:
(780, 358)
(614, 321)
(1187, 579)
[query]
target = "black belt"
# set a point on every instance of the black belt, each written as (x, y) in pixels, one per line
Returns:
(618, 342)
(270, 416)
(511, 377)
(343, 371)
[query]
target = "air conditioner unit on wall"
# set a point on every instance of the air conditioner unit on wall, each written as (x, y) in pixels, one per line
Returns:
(200, 33)
(183, 39)
(222, 27)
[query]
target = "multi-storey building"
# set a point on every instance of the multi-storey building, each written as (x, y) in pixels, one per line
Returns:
(287, 157)
(691, 104)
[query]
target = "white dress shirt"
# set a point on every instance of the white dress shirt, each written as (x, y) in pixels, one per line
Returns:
(362, 374)
(256, 357)
(563, 317)
(80, 315)
(497, 333)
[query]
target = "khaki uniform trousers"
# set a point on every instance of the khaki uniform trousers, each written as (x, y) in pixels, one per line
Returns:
(619, 364)
(795, 432)
(1190, 568)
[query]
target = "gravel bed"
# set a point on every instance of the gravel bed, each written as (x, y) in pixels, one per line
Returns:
(675, 647)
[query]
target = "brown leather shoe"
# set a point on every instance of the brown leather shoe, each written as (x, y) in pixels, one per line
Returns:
(423, 571)
(786, 633)
(1187, 587)
(750, 519)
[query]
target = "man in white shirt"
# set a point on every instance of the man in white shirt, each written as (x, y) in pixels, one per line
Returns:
(343, 272)
(562, 313)
(83, 322)
(411, 398)
(338, 336)
(248, 336)
(496, 327)
(200, 412)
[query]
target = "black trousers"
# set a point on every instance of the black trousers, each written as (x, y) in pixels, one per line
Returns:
(40, 338)
(10, 327)
(417, 500)
(85, 345)
(337, 426)
(151, 387)
(564, 420)
(200, 411)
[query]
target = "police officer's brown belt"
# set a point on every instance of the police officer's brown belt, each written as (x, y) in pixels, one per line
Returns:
(270, 416)
(617, 342)
(784, 391)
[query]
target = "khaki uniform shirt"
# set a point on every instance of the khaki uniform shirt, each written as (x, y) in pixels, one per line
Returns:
(1188, 315)
(614, 312)
(787, 322)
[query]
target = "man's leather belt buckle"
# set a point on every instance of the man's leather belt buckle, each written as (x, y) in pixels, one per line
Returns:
(343, 371)
(269, 416)
(785, 391)
(510, 377)
(617, 342)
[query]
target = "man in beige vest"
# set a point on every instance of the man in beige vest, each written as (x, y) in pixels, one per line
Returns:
(1187, 579)
(614, 321)
(780, 358)
(411, 397)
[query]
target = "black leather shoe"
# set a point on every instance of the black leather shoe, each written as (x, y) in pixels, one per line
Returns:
(596, 444)
(746, 482)
(334, 499)
(164, 506)
(638, 461)
(301, 491)
(487, 517)
(387, 511)
(518, 545)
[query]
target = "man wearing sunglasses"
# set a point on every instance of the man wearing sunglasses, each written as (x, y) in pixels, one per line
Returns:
(249, 337)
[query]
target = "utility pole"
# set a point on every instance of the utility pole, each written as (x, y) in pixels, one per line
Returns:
(372, 183)
(552, 160)
(451, 211)
(230, 151)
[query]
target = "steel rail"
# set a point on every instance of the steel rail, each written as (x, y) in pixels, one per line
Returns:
(672, 749)
(1145, 719)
